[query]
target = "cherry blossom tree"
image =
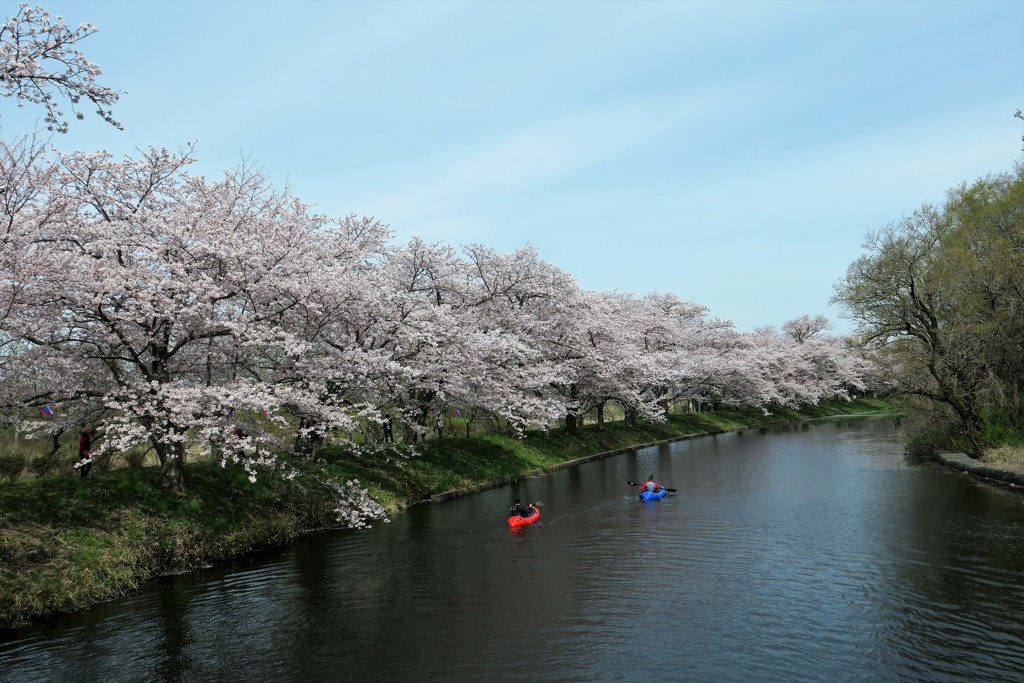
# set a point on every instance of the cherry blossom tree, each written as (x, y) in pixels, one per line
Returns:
(804, 327)
(835, 367)
(681, 346)
(416, 322)
(802, 366)
(170, 299)
(506, 374)
(334, 372)
(459, 332)
(40, 63)
(610, 363)
(225, 316)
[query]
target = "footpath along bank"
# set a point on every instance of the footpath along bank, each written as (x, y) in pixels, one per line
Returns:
(67, 543)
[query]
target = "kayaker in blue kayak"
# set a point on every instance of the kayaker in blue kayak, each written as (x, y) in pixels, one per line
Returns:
(650, 485)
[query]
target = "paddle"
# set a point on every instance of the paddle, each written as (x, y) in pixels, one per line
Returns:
(633, 483)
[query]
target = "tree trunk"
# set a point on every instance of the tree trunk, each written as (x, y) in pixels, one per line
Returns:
(308, 446)
(665, 408)
(172, 466)
(632, 415)
(416, 429)
(974, 426)
(55, 441)
(1015, 405)
(572, 417)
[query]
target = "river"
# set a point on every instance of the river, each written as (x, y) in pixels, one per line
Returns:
(808, 552)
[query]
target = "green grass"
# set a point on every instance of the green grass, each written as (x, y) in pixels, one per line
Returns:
(67, 542)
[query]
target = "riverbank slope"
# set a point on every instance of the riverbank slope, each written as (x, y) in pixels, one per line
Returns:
(68, 543)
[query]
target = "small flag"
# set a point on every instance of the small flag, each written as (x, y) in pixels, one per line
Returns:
(47, 411)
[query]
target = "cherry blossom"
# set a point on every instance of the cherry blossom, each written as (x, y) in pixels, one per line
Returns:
(39, 63)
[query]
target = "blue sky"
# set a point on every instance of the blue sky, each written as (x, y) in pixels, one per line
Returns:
(734, 153)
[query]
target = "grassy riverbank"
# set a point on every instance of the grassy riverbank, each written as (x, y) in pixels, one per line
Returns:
(67, 543)
(1006, 457)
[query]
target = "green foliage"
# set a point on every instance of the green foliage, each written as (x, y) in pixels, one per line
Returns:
(49, 464)
(135, 457)
(925, 442)
(930, 428)
(17, 454)
(67, 542)
(12, 464)
(939, 296)
(1001, 429)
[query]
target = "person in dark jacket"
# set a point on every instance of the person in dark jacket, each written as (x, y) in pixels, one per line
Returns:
(519, 509)
(84, 463)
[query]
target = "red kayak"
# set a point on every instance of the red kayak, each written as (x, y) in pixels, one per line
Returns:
(519, 520)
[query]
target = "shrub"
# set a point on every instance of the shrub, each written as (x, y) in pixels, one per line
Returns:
(135, 456)
(12, 464)
(49, 463)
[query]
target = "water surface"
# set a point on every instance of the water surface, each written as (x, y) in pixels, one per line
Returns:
(814, 552)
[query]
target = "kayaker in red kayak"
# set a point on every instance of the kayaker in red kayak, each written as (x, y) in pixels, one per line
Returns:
(519, 509)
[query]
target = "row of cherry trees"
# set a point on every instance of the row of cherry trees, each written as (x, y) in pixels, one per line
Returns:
(179, 308)
(225, 316)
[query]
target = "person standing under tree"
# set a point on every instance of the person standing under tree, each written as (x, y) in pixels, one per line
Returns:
(84, 463)
(386, 424)
(439, 425)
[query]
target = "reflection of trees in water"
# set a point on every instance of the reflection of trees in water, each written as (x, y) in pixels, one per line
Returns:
(175, 633)
(956, 556)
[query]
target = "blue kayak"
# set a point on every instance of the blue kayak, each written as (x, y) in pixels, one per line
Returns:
(653, 495)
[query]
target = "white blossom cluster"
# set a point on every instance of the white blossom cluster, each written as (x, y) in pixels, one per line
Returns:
(356, 509)
(39, 64)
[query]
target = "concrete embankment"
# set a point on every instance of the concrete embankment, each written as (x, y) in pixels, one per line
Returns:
(965, 463)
